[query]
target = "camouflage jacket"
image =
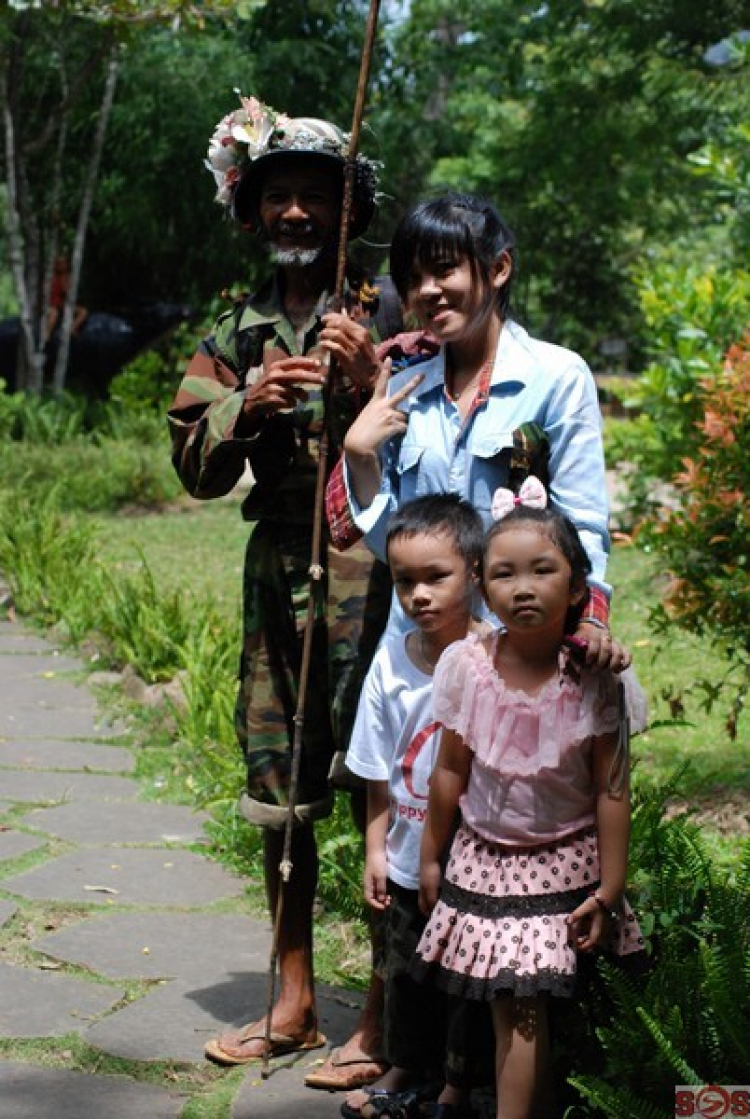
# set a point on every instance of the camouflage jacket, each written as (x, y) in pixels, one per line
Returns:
(207, 454)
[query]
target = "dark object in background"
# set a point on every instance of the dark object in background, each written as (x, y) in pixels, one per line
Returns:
(105, 344)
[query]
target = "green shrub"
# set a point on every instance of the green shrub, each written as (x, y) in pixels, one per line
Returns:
(705, 537)
(46, 558)
(149, 381)
(52, 564)
(693, 314)
(205, 727)
(92, 475)
(687, 1019)
(136, 625)
(41, 419)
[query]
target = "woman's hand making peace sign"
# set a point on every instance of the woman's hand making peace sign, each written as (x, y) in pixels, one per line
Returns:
(379, 421)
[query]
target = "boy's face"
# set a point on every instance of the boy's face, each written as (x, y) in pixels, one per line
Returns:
(433, 582)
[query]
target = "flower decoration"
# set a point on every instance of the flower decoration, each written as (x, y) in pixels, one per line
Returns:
(238, 139)
(255, 130)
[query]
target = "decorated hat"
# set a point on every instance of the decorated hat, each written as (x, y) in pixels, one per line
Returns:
(250, 140)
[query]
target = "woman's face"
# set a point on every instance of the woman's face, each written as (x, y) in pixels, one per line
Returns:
(450, 300)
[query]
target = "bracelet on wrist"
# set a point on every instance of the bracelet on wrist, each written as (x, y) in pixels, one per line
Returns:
(611, 911)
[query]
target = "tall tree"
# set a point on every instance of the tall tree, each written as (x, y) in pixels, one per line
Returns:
(58, 70)
(576, 117)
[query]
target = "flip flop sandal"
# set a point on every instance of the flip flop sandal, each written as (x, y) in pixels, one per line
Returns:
(280, 1045)
(356, 1071)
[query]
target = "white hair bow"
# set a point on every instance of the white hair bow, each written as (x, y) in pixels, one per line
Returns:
(532, 493)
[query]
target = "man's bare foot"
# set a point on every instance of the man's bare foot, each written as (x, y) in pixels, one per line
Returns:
(239, 1047)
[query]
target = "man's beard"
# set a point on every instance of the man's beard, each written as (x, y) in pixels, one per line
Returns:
(299, 256)
(295, 257)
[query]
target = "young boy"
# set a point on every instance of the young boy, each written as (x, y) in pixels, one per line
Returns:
(433, 548)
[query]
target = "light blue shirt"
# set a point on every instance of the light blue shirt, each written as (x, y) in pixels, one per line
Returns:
(532, 382)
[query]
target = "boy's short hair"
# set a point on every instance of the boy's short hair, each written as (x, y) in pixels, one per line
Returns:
(437, 514)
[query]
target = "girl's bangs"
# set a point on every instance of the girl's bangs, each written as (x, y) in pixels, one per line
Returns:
(441, 242)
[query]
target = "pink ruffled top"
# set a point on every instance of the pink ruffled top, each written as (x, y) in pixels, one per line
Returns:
(531, 778)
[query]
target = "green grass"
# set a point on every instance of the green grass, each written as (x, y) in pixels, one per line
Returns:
(715, 784)
(195, 544)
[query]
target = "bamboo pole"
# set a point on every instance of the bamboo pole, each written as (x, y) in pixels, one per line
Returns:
(316, 567)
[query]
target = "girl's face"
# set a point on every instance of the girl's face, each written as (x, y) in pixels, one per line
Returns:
(433, 582)
(527, 580)
(449, 300)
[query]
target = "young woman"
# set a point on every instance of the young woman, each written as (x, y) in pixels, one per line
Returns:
(491, 407)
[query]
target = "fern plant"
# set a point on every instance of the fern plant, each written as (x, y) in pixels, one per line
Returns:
(687, 1019)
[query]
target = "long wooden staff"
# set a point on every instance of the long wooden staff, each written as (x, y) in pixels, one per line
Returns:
(316, 568)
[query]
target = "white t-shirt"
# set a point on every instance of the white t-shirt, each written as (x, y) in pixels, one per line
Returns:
(396, 739)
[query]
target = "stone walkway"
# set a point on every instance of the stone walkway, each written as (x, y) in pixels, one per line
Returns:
(114, 927)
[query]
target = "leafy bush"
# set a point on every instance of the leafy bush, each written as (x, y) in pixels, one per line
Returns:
(45, 558)
(705, 537)
(149, 381)
(52, 565)
(41, 419)
(693, 314)
(92, 474)
(687, 1020)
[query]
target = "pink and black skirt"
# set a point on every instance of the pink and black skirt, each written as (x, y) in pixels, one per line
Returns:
(499, 924)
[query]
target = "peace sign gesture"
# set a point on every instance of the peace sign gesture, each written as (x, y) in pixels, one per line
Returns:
(379, 421)
(382, 418)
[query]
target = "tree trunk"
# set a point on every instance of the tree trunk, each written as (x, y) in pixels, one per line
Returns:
(84, 213)
(30, 361)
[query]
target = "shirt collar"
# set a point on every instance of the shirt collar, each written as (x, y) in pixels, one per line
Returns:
(510, 366)
(265, 308)
(511, 363)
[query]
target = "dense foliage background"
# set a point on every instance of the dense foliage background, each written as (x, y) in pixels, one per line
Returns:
(580, 119)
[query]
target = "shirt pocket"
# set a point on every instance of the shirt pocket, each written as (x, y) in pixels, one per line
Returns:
(412, 481)
(490, 468)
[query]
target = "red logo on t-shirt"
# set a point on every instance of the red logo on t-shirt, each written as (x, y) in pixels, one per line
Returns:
(413, 751)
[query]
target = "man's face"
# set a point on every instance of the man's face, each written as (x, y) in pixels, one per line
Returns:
(299, 210)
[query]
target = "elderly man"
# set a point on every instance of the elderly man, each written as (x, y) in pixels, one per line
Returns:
(252, 393)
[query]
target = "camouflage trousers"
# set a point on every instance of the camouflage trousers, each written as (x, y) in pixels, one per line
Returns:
(351, 607)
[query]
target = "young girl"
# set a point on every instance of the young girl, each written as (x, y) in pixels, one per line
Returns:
(491, 407)
(535, 753)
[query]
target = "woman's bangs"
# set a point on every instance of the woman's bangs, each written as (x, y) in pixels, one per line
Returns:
(443, 243)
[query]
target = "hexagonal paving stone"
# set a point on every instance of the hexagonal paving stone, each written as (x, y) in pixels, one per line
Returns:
(32, 786)
(43, 1004)
(49, 692)
(28, 1092)
(127, 876)
(15, 843)
(175, 1020)
(97, 822)
(43, 664)
(37, 722)
(161, 945)
(15, 639)
(49, 753)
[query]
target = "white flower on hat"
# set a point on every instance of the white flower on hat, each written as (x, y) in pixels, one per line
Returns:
(255, 129)
(238, 138)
